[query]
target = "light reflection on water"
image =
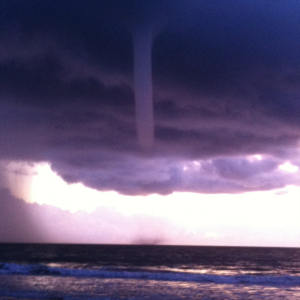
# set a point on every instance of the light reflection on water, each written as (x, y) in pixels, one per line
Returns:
(83, 288)
(228, 271)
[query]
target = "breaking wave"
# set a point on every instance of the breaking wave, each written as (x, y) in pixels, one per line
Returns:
(43, 270)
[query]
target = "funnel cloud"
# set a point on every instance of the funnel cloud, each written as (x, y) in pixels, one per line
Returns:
(142, 41)
(226, 90)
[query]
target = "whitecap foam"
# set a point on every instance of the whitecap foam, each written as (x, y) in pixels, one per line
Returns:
(39, 269)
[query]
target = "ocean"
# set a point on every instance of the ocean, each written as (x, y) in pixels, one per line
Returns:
(31, 271)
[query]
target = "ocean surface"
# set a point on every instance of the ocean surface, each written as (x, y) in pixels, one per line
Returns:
(29, 271)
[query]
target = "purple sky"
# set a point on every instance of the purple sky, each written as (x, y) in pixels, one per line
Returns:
(226, 87)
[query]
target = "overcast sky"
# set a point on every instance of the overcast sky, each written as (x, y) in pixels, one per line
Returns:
(226, 88)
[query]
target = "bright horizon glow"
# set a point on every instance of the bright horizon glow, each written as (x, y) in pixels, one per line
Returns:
(252, 218)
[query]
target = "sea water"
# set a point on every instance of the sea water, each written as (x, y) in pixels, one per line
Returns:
(29, 271)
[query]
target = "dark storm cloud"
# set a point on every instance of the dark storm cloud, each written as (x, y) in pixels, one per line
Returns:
(226, 84)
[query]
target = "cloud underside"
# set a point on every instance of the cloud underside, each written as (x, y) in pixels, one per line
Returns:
(226, 86)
